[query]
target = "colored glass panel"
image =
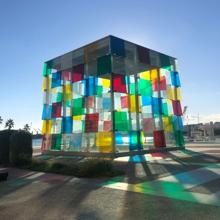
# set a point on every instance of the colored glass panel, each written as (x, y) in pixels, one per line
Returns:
(117, 46)
(143, 54)
(179, 138)
(121, 121)
(56, 79)
(159, 139)
(177, 110)
(91, 122)
(67, 123)
(119, 84)
(135, 141)
(56, 142)
(104, 65)
(104, 141)
(78, 106)
(145, 75)
(56, 109)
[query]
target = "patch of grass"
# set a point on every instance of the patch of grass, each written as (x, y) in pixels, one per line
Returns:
(88, 168)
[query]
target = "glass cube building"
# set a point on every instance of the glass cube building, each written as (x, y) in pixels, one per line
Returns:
(111, 97)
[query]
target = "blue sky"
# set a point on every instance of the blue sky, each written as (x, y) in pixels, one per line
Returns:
(32, 32)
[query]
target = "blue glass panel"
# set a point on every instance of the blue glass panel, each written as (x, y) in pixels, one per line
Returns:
(106, 103)
(146, 100)
(47, 112)
(157, 106)
(118, 138)
(67, 123)
(135, 140)
(44, 113)
(117, 46)
(90, 88)
(56, 79)
(77, 140)
(177, 80)
(180, 122)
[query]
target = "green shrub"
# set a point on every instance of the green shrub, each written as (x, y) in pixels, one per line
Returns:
(36, 165)
(89, 168)
(5, 145)
(66, 169)
(21, 148)
(97, 168)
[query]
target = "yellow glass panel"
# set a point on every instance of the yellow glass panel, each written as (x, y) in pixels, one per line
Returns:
(68, 96)
(168, 126)
(132, 103)
(173, 93)
(106, 83)
(44, 86)
(54, 90)
(68, 89)
(139, 102)
(178, 94)
(44, 127)
(47, 125)
(77, 118)
(104, 141)
(142, 137)
(170, 93)
(153, 74)
(145, 75)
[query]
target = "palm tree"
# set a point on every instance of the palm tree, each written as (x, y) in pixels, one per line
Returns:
(9, 124)
(27, 127)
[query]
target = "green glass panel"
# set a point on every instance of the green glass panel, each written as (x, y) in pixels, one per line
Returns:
(134, 139)
(99, 91)
(146, 92)
(78, 106)
(121, 121)
(59, 97)
(144, 87)
(68, 103)
(104, 65)
(132, 89)
(165, 109)
(168, 68)
(83, 126)
(56, 143)
(142, 83)
(46, 70)
(179, 138)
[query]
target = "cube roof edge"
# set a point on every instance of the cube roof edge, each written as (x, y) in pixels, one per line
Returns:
(101, 39)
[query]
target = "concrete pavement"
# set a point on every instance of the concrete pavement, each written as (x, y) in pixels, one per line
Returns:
(177, 185)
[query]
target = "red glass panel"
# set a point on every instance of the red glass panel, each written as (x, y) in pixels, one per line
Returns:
(56, 109)
(124, 102)
(159, 139)
(119, 84)
(177, 110)
(78, 72)
(91, 122)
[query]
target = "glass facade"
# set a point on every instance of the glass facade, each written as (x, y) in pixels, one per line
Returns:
(111, 96)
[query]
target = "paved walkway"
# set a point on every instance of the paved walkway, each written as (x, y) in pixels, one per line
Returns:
(195, 181)
(177, 185)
